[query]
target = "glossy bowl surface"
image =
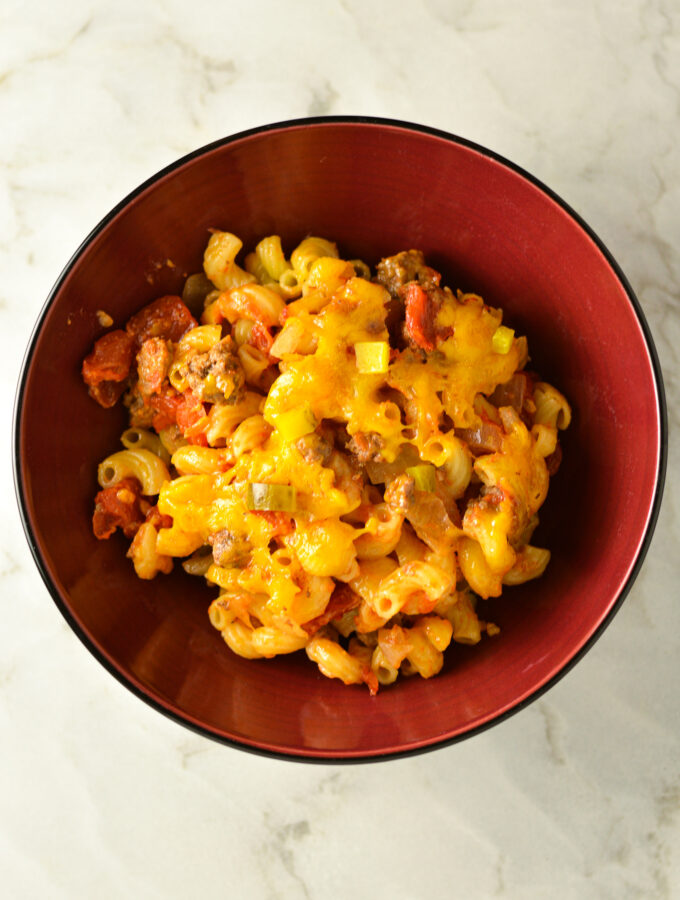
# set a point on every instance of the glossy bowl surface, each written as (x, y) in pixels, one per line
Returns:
(375, 187)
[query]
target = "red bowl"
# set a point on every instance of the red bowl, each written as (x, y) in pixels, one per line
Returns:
(375, 187)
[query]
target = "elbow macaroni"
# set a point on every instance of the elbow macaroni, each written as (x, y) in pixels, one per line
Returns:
(144, 465)
(356, 513)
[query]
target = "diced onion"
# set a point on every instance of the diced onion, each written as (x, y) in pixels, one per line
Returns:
(295, 423)
(372, 357)
(502, 339)
(270, 497)
(423, 476)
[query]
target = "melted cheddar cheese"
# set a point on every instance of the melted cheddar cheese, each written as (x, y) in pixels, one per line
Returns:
(350, 460)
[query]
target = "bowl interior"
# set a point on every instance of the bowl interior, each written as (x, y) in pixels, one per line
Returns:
(375, 188)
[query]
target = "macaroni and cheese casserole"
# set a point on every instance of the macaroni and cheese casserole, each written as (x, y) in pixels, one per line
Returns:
(352, 458)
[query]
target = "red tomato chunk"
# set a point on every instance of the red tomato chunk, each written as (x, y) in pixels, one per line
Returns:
(118, 506)
(166, 318)
(107, 368)
(420, 313)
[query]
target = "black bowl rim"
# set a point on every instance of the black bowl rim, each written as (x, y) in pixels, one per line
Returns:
(263, 750)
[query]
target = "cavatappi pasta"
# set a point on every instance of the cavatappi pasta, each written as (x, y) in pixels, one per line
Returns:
(350, 459)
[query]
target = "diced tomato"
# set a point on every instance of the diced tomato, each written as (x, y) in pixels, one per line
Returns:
(342, 600)
(166, 318)
(185, 410)
(108, 366)
(189, 410)
(118, 506)
(420, 313)
(110, 360)
(107, 393)
(261, 337)
(165, 404)
(191, 413)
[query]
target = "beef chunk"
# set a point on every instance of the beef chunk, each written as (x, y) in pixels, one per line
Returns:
(400, 493)
(229, 549)
(314, 448)
(217, 375)
(365, 447)
(396, 271)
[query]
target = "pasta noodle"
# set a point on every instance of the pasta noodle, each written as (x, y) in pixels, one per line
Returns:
(270, 254)
(353, 460)
(144, 465)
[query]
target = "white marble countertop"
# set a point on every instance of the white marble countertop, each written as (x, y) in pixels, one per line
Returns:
(578, 796)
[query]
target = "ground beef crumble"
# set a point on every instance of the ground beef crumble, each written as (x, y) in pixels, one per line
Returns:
(229, 549)
(217, 374)
(366, 447)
